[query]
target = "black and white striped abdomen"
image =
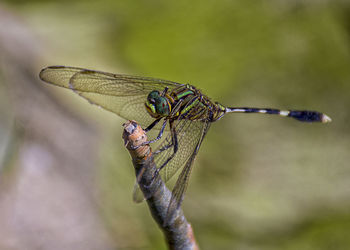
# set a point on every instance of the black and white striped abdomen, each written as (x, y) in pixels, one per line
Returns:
(300, 115)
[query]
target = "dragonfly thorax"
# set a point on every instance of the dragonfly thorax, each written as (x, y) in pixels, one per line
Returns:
(157, 105)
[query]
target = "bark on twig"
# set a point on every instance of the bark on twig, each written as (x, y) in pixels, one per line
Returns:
(178, 232)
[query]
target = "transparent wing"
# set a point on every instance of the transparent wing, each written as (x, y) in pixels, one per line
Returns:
(124, 95)
(183, 179)
(189, 135)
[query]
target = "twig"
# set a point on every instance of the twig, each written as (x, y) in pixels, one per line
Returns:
(178, 232)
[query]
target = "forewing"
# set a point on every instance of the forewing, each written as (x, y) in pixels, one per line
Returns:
(124, 95)
(128, 107)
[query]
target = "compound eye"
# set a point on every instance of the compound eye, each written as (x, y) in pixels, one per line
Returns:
(162, 106)
(153, 96)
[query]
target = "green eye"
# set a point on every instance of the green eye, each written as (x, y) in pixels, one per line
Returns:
(162, 106)
(157, 104)
(153, 96)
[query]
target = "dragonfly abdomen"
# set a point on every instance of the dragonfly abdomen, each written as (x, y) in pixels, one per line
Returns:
(300, 115)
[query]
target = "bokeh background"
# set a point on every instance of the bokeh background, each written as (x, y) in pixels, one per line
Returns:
(259, 182)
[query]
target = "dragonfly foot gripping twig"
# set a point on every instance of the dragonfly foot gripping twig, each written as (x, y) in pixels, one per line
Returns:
(178, 232)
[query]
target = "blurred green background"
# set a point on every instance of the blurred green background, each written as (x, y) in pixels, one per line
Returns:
(259, 182)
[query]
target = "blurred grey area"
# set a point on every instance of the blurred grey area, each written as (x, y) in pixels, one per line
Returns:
(47, 158)
(259, 182)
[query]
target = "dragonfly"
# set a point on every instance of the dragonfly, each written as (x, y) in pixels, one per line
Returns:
(181, 109)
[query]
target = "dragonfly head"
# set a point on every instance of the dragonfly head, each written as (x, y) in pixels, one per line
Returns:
(157, 105)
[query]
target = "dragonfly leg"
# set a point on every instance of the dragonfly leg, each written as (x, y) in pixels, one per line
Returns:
(163, 148)
(152, 125)
(164, 91)
(177, 107)
(158, 137)
(173, 143)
